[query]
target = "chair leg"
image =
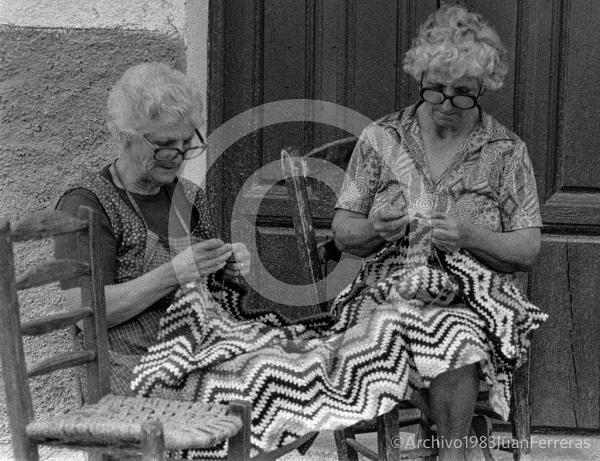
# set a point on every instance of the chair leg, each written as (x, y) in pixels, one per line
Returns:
(152, 441)
(426, 436)
(239, 444)
(23, 448)
(521, 413)
(345, 452)
(388, 433)
(482, 427)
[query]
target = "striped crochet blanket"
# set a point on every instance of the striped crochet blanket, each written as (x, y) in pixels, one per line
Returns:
(398, 325)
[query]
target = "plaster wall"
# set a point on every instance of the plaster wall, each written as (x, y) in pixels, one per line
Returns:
(58, 61)
(167, 16)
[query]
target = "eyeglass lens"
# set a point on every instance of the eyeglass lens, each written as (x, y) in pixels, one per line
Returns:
(460, 101)
(169, 153)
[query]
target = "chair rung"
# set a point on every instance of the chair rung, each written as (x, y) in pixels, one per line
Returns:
(46, 224)
(403, 454)
(485, 410)
(405, 405)
(504, 444)
(279, 452)
(360, 448)
(51, 271)
(410, 421)
(365, 426)
(60, 361)
(54, 322)
(417, 453)
(370, 425)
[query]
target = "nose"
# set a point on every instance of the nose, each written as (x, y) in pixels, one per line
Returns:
(174, 162)
(447, 105)
(178, 160)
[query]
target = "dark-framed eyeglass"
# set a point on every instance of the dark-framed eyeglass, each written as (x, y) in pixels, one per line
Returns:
(460, 101)
(165, 154)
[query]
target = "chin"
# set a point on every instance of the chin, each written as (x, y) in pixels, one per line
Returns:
(164, 178)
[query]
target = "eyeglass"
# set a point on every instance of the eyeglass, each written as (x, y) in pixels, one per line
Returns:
(460, 101)
(165, 154)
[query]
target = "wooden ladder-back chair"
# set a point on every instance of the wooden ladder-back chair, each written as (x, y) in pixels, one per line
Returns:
(315, 257)
(106, 423)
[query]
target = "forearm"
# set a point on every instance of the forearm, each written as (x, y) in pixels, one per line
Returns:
(126, 300)
(356, 235)
(129, 299)
(504, 251)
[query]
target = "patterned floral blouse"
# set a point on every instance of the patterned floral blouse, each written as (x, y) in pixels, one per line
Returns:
(490, 182)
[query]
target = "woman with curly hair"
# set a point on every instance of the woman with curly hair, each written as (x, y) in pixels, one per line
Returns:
(470, 182)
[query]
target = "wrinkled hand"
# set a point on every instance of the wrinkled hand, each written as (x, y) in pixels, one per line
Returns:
(201, 259)
(389, 222)
(239, 262)
(449, 233)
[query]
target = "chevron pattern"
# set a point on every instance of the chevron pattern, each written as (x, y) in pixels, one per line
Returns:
(401, 323)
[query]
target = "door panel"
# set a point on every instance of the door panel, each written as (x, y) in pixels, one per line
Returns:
(565, 369)
(581, 93)
(563, 134)
(287, 47)
(503, 16)
(374, 58)
(350, 52)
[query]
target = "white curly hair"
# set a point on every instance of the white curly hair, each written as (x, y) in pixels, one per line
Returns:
(454, 42)
(151, 95)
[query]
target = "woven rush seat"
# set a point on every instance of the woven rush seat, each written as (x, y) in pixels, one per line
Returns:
(117, 420)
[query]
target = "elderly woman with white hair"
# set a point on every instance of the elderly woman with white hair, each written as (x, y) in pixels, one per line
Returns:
(470, 181)
(156, 230)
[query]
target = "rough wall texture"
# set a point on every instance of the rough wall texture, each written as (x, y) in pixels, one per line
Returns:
(158, 15)
(53, 89)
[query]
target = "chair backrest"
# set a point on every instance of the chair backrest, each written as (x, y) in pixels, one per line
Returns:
(92, 314)
(314, 257)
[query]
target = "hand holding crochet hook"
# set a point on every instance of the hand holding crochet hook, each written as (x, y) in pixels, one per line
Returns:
(209, 256)
(391, 221)
(449, 233)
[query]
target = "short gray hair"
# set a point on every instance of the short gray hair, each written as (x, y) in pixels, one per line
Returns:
(456, 42)
(150, 95)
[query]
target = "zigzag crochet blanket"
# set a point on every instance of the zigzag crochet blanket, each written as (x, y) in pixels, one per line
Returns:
(378, 348)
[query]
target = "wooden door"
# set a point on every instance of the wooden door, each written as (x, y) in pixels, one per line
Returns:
(350, 52)
(557, 117)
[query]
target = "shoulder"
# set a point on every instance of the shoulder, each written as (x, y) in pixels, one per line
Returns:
(82, 189)
(497, 133)
(386, 130)
(85, 190)
(91, 181)
(76, 197)
(502, 142)
(391, 122)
